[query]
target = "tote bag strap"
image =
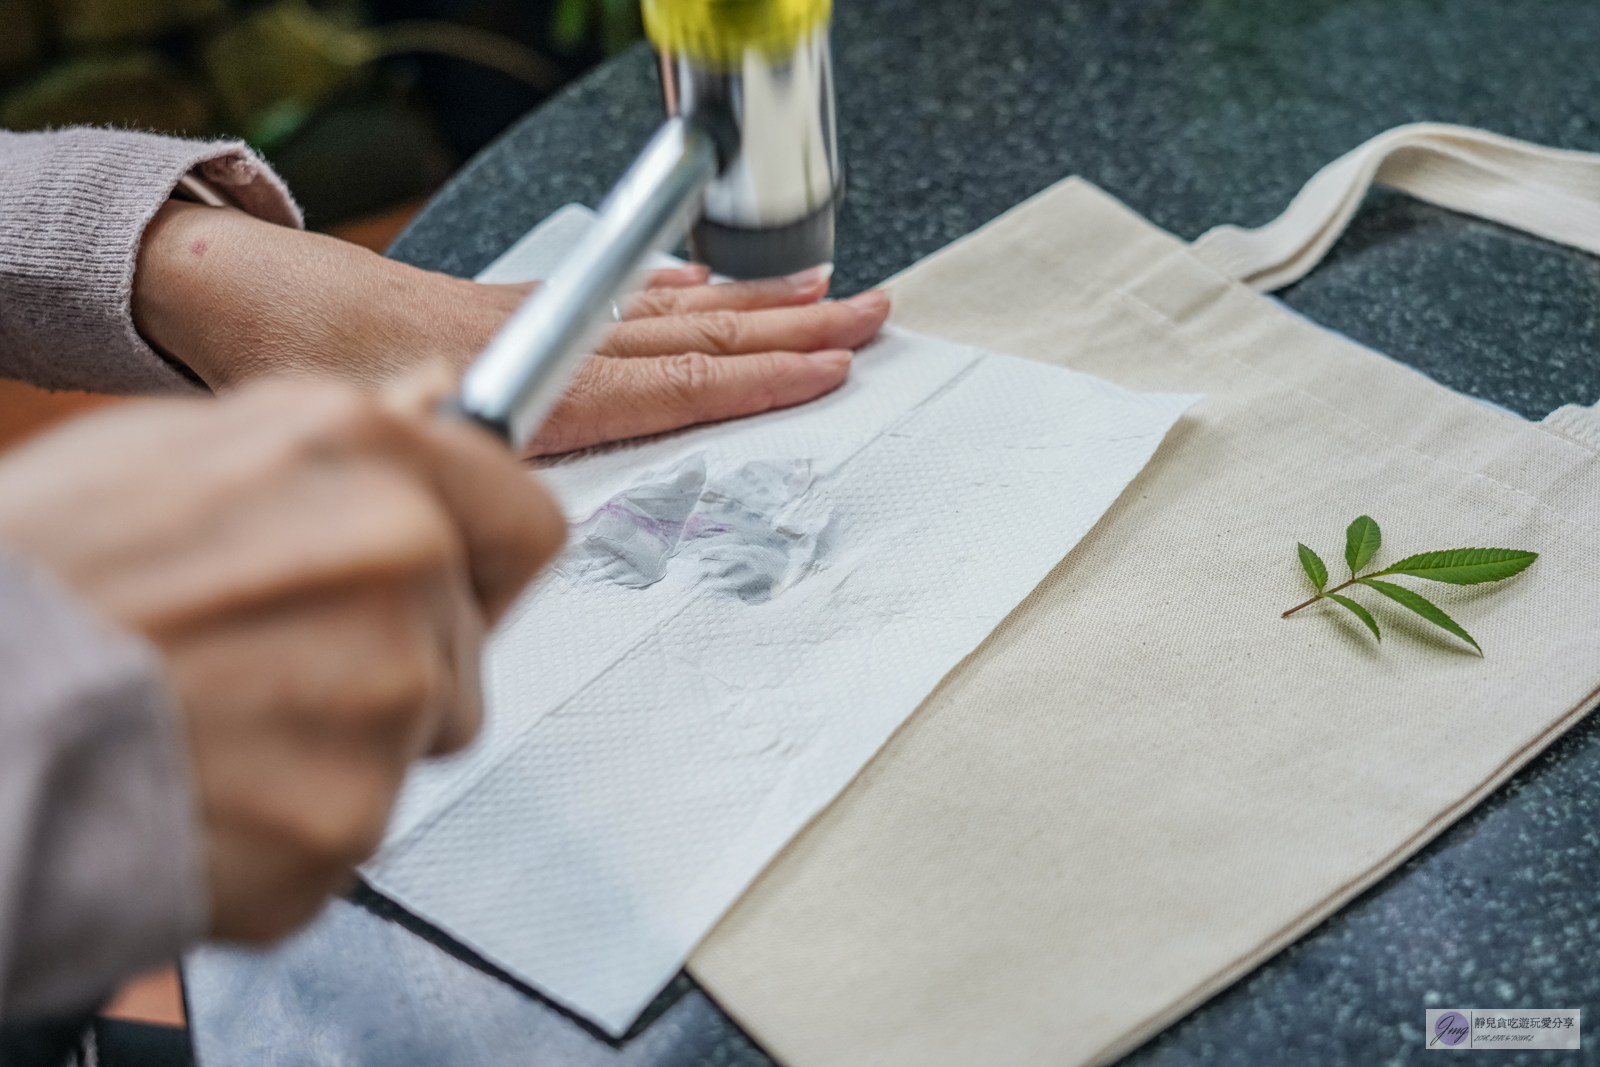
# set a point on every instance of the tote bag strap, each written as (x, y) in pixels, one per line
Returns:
(1546, 191)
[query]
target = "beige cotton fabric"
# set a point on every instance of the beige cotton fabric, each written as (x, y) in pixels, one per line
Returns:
(1547, 191)
(1145, 783)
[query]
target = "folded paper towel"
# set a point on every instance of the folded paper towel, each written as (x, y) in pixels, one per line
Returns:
(744, 614)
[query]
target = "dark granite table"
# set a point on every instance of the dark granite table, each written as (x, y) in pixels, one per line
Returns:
(1194, 112)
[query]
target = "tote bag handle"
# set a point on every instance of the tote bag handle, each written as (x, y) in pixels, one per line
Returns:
(1549, 192)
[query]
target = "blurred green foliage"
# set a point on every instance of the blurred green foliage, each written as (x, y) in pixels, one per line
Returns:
(21, 42)
(302, 80)
(255, 69)
(93, 23)
(139, 88)
(271, 68)
(613, 24)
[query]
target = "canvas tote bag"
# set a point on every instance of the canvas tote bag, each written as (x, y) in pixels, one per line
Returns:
(1146, 782)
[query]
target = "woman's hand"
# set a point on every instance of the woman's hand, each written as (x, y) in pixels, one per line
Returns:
(318, 570)
(689, 354)
(237, 299)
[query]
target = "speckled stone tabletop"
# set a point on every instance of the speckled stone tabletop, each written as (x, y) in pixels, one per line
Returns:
(1193, 112)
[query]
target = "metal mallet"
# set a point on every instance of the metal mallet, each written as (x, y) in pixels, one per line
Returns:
(748, 156)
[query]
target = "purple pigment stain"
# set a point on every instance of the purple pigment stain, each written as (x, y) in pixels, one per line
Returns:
(748, 533)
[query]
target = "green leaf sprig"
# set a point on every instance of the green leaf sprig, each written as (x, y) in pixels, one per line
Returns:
(1457, 566)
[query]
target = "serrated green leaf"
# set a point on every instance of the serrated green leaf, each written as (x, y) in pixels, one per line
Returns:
(1360, 612)
(1361, 542)
(1465, 566)
(1316, 570)
(1422, 606)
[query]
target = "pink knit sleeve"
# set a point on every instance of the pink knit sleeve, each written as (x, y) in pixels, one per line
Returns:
(73, 207)
(102, 858)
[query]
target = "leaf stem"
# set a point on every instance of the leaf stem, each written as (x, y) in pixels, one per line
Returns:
(1322, 594)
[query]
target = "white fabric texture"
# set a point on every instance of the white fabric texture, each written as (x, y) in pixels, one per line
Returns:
(744, 614)
(1146, 782)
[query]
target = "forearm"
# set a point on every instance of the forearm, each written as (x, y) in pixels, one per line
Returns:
(235, 298)
(100, 862)
(74, 205)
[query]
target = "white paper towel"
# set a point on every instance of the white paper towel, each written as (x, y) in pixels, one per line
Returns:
(744, 615)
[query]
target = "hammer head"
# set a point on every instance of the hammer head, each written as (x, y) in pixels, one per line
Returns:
(757, 74)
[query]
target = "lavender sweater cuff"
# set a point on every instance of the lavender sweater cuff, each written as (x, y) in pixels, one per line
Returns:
(101, 863)
(74, 204)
